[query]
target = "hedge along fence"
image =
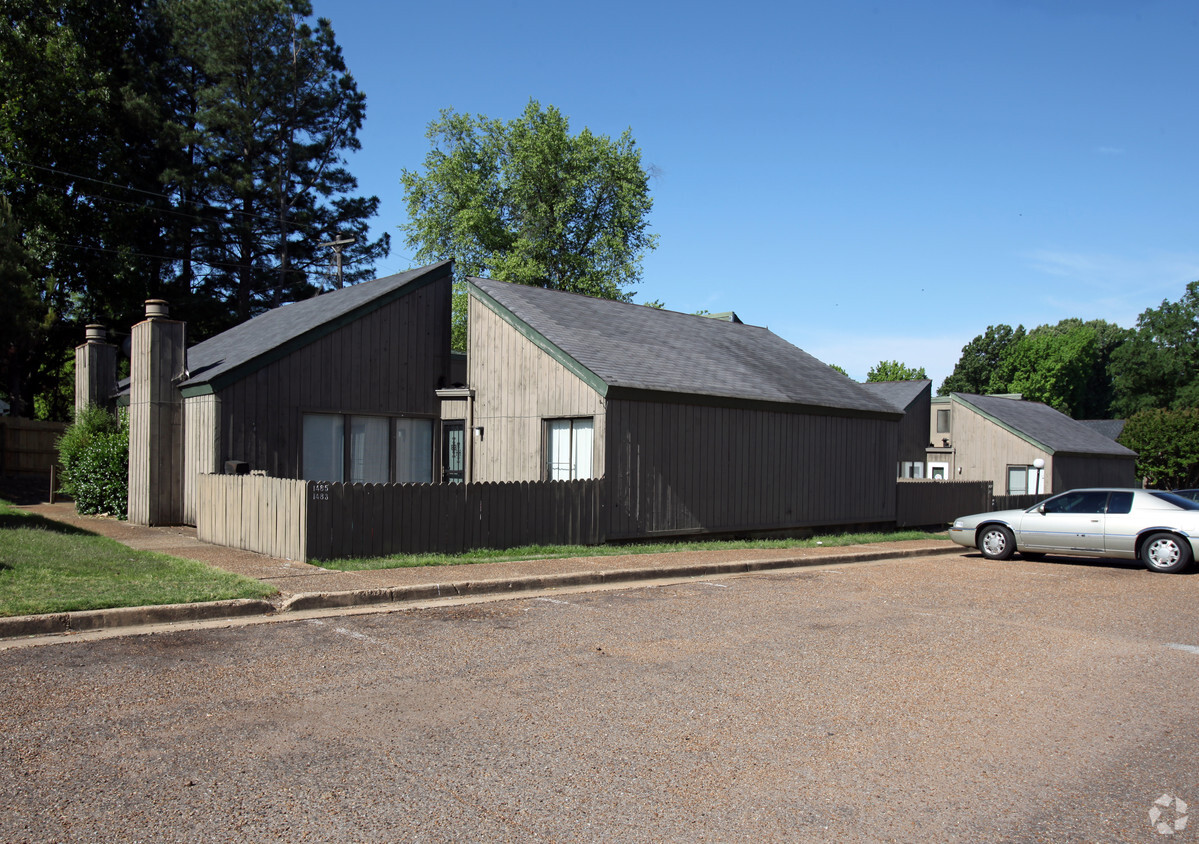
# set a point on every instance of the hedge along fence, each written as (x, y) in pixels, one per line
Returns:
(321, 520)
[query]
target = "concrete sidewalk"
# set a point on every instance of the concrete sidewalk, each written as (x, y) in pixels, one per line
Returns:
(303, 586)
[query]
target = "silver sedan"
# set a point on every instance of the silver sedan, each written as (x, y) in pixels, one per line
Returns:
(1160, 529)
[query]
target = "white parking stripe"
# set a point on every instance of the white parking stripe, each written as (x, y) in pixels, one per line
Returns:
(1191, 649)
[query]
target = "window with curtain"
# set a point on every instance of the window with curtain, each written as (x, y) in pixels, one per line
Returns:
(414, 451)
(370, 449)
(358, 449)
(1017, 480)
(324, 447)
(569, 445)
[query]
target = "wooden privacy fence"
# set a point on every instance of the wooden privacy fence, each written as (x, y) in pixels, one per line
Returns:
(937, 503)
(1017, 502)
(267, 515)
(320, 520)
(27, 446)
(371, 520)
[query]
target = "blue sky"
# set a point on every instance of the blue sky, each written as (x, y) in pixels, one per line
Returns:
(870, 180)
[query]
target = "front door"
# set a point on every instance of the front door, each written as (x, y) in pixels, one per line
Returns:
(453, 452)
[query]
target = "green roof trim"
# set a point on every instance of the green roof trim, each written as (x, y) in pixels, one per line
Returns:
(959, 398)
(539, 340)
(197, 390)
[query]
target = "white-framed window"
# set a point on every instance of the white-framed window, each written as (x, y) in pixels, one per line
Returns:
(911, 469)
(1021, 480)
(378, 449)
(943, 421)
(568, 448)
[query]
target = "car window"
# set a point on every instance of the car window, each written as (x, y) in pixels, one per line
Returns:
(1177, 500)
(1120, 502)
(1092, 501)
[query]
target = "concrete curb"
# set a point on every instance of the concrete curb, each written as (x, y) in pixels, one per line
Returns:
(75, 622)
(472, 588)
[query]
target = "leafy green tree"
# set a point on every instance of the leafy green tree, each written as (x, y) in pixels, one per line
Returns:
(525, 201)
(71, 70)
(271, 112)
(1167, 446)
(893, 370)
(1159, 364)
(189, 149)
(975, 369)
(1049, 365)
(836, 368)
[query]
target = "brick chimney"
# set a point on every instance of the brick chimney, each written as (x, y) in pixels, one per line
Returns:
(158, 362)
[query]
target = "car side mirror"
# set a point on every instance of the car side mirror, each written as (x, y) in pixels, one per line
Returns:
(1041, 509)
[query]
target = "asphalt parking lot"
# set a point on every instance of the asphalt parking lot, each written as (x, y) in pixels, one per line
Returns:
(944, 698)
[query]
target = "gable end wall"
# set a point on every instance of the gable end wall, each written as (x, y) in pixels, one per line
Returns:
(389, 362)
(517, 387)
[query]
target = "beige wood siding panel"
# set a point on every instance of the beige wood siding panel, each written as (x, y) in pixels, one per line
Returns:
(253, 513)
(983, 450)
(453, 409)
(518, 386)
(201, 447)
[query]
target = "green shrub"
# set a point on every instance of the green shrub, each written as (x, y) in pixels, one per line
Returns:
(94, 453)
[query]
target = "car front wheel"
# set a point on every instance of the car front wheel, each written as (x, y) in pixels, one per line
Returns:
(1166, 553)
(996, 542)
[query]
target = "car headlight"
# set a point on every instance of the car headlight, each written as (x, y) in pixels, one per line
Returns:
(959, 524)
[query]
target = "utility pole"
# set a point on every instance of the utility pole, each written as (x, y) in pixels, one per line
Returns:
(338, 244)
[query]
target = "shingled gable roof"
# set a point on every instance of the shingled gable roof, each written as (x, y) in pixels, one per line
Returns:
(233, 354)
(1043, 426)
(898, 393)
(619, 348)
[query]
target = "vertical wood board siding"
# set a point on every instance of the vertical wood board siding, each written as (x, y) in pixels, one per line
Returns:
(675, 468)
(518, 386)
(1072, 471)
(95, 375)
(253, 513)
(371, 520)
(156, 423)
(938, 503)
(387, 362)
(983, 450)
(28, 446)
(201, 447)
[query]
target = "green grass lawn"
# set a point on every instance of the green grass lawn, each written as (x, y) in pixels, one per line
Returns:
(551, 552)
(48, 567)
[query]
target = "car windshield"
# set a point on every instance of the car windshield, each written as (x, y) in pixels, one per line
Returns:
(1177, 500)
